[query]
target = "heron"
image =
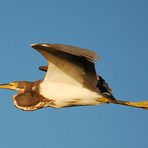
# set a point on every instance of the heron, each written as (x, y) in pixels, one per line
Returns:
(70, 80)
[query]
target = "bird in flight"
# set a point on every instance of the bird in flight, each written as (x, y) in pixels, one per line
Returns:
(70, 80)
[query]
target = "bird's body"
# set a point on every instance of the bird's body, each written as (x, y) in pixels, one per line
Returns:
(41, 94)
(68, 94)
(70, 80)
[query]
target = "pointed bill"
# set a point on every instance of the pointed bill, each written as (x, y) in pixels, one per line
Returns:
(12, 86)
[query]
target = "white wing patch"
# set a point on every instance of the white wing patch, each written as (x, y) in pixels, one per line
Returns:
(55, 74)
(60, 70)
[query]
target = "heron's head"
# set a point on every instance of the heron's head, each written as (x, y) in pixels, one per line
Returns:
(27, 98)
(20, 86)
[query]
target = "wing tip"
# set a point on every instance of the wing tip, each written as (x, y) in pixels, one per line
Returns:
(96, 58)
(34, 45)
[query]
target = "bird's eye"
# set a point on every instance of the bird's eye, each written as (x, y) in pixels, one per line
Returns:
(21, 86)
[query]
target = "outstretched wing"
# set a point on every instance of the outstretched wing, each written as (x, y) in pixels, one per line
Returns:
(69, 64)
(102, 86)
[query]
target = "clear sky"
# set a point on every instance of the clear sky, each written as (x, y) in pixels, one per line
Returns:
(117, 30)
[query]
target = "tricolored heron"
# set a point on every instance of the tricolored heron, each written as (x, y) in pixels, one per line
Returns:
(70, 80)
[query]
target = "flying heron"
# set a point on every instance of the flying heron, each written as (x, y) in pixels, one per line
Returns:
(70, 80)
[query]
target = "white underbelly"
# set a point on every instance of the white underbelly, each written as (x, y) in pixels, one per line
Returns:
(64, 92)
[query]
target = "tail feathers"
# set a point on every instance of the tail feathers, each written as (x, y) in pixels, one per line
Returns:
(140, 104)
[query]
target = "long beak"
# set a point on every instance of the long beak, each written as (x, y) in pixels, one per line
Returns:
(12, 86)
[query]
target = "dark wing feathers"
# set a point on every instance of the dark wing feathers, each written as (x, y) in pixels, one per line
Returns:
(77, 51)
(104, 87)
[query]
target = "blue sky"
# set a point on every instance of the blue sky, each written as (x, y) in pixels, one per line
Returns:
(116, 30)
